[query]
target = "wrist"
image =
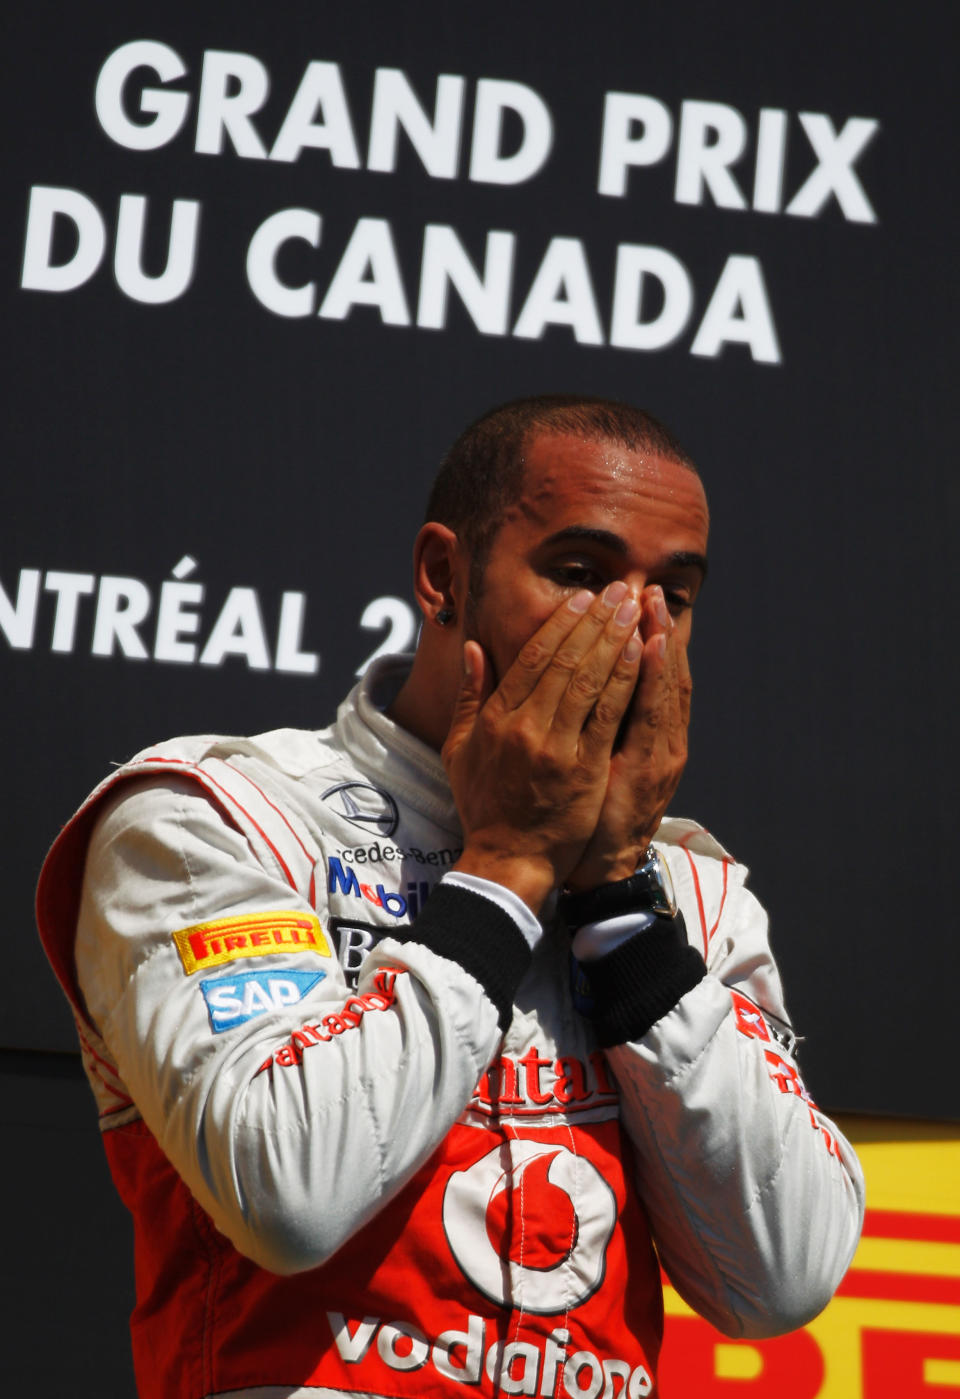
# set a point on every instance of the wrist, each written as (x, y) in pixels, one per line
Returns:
(532, 879)
(608, 870)
(648, 888)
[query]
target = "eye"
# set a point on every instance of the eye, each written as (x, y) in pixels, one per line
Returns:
(576, 574)
(677, 599)
(680, 593)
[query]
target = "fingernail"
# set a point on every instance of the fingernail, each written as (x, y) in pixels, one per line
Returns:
(633, 649)
(627, 612)
(614, 592)
(580, 602)
(660, 607)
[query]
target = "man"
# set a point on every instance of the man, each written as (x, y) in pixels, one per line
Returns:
(451, 1176)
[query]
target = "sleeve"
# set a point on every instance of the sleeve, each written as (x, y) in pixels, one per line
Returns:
(292, 1108)
(754, 1197)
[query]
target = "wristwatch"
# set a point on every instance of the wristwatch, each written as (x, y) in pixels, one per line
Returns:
(648, 890)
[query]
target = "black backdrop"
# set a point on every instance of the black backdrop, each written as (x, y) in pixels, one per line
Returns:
(289, 455)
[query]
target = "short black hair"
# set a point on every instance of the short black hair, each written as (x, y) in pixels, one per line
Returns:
(482, 473)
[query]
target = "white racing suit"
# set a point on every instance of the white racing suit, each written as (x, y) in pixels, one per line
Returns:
(379, 1133)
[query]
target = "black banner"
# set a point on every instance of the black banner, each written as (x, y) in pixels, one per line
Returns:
(261, 267)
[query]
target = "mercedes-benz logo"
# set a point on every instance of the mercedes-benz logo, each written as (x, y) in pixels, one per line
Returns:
(363, 805)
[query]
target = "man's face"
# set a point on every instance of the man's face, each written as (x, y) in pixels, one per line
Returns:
(590, 513)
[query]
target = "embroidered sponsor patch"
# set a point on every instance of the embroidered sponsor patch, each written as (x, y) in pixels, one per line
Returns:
(750, 1021)
(348, 1017)
(580, 990)
(353, 940)
(363, 805)
(233, 1000)
(250, 935)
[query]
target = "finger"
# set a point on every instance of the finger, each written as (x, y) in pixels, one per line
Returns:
(639, 736)
(603, 665)
(599, 732)
(653, 677)
(656, 615)
(583, 663)
(535, 655)
(544, 665)
(675, 668)
(661, 710)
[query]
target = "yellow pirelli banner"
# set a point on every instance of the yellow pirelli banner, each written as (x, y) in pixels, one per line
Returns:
(893, 1329)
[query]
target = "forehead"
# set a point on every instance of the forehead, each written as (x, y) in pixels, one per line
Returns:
(570, 481)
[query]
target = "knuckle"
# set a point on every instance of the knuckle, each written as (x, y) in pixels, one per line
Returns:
(532, 656)
(584, 684)
(550, 759)
(487, 723)
(606, 712)
(565, 661)
(522, 736)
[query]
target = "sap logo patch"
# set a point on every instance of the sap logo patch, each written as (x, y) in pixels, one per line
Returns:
(248, 935)
(233, 1000)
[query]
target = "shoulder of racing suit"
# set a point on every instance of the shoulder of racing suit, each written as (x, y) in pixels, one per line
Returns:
(202, 865)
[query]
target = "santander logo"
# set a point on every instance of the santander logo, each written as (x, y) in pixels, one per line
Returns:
(529, 1225)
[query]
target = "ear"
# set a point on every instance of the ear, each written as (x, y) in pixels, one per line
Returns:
(440, 572)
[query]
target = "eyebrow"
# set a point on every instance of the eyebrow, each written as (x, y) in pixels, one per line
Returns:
(607, 539)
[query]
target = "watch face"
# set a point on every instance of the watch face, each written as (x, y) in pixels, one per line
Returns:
(666, 879)
(661, 884)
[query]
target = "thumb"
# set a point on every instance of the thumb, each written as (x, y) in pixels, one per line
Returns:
(476, 686)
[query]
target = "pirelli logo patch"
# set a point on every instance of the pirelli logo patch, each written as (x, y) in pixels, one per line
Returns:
(251, 935)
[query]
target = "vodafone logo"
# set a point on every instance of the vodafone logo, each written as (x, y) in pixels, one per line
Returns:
(529, 1225)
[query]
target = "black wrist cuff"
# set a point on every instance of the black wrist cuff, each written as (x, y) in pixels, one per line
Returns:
(648, 890)
(638, 982)
(467, 928)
